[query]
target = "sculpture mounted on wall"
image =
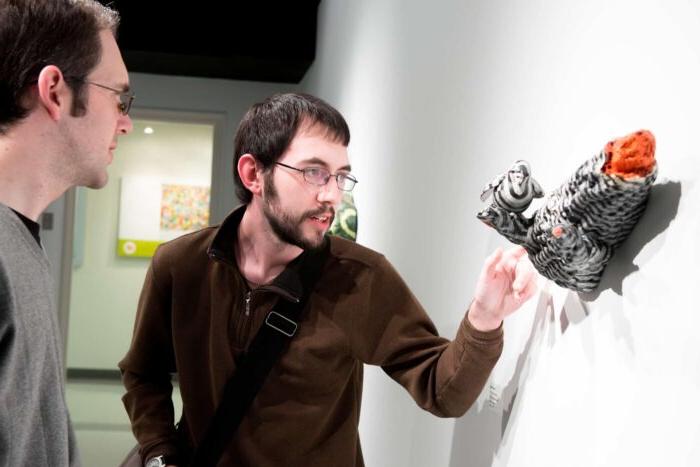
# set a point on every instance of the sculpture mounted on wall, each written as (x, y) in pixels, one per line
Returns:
(571, 238)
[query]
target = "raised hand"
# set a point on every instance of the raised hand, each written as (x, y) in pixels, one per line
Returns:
(507, 280)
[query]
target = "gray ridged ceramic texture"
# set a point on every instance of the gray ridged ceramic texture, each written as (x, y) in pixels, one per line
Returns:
(592, 212)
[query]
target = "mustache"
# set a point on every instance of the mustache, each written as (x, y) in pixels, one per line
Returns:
(321, 212)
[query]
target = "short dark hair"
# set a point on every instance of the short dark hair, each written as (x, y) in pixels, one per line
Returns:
(38, 33)
(267, 129)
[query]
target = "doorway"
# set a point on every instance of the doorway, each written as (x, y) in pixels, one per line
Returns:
(159, 188)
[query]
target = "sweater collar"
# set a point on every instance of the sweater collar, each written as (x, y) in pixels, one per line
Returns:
(290, 282)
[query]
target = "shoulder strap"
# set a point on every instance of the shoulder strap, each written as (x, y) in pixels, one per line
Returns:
(272, 339)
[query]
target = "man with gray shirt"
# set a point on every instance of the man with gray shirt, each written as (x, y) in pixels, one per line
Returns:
(64, 100)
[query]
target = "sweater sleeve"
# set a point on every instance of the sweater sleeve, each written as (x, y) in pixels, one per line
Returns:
(148, 365)
(393, 330)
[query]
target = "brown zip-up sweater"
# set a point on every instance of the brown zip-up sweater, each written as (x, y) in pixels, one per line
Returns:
(196, 315)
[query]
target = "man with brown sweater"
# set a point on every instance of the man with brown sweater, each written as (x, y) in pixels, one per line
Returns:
(207, 294)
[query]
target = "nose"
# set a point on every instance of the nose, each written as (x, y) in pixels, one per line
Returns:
(330, 193)
(124, 125)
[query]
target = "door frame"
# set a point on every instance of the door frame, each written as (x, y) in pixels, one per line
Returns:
(216, 119)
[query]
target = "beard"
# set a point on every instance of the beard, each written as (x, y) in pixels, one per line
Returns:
(287, 227)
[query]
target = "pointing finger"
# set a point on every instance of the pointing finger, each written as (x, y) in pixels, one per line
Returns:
(524, 274)
(491, 263)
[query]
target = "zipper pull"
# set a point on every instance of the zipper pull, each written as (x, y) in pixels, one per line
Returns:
(247, 303)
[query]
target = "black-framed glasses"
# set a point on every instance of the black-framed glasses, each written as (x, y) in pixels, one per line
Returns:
(125, 97)
(319, 176)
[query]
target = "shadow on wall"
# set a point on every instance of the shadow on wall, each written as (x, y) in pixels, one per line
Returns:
(482, 434)
(479, 435)
(661, 210)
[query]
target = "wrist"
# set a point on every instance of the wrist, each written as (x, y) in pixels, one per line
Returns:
(481, 319)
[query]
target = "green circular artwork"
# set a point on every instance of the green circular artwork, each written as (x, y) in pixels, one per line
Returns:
(345, 223)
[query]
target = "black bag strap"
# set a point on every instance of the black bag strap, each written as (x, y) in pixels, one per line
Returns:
(279, 327)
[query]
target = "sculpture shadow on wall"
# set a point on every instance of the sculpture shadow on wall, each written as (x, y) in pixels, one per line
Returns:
(538, 333)
(490, 421)
(660, 211)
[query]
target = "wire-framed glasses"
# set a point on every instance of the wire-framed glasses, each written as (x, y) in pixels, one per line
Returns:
(125, 97)
(319, 176)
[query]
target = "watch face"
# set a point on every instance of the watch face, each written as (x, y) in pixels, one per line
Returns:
(155, 462)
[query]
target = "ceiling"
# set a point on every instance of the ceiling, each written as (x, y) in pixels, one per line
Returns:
(253, 40)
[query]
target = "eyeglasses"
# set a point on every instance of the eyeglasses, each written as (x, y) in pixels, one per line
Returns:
(125, 97)
(319, 176)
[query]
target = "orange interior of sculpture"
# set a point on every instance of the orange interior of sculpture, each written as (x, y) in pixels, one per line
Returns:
(631, 155)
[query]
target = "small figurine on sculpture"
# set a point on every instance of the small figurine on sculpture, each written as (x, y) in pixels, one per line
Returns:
(571, 238)
(513, 190)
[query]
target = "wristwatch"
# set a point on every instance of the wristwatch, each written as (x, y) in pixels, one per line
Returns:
(155, 462)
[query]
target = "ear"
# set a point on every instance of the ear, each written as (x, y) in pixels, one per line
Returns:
(54, 93)
(251, 173)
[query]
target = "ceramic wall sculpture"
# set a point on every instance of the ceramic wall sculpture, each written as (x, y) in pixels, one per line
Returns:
(571, 238)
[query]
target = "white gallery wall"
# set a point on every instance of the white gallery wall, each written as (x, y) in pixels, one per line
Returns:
(443, 96)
